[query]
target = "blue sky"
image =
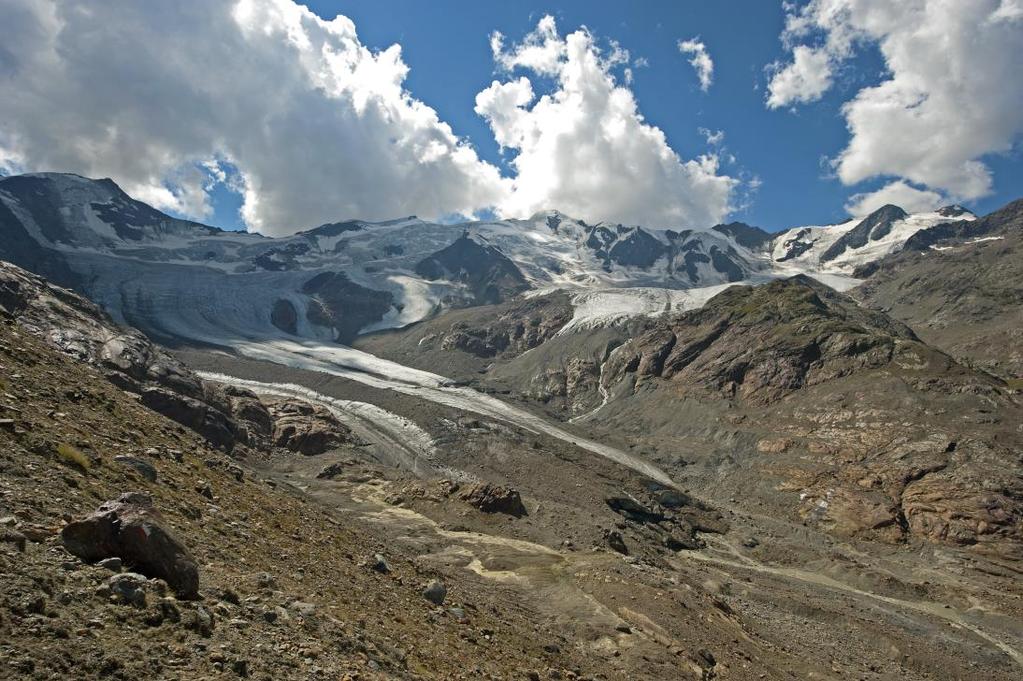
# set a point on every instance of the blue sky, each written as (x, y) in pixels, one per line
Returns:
(916, 102)
(450, 61)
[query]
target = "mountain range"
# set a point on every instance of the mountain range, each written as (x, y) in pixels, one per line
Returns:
(620, 452)
(148, 269)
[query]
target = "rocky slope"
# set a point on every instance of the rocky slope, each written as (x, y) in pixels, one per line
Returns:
(324, 565)
(286, 588)
(84, 333)
(961, 288)
(842, 406)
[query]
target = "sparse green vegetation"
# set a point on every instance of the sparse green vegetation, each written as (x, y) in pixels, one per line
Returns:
(1015, 383)
(72, 456)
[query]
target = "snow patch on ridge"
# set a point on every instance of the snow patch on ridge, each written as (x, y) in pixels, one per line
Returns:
(593, 309)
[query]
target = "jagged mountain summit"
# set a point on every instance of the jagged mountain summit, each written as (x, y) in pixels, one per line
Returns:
(177, 278)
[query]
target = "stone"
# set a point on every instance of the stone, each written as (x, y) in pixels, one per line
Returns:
(491, 498)
(633, 510)
(435, 592)
(36, 533)
(331, 471)
(141, 466)
(204, 488)
(129, 587)
(670, 498)
(112, 564)
(241, 668)
(614, 540)
(130, 528)
(9, 536)
(676, 540)
(199, 620)
(264, 580)
(379, 564)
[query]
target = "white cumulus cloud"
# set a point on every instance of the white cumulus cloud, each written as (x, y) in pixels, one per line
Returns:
(952, 92)
(585, 148)
(318, 126)
(294, 112)
(700, 61)
(898, 193)
(804, 80)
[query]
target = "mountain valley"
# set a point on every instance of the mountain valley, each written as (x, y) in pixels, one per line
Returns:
(618, 452)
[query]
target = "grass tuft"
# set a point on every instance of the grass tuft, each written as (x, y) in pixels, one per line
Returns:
(71, 456)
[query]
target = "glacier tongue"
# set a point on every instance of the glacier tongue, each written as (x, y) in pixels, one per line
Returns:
(373, 371)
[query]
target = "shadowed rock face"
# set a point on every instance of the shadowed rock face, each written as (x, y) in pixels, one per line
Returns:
(745, 235)
(1004, 221)
(17, 245)
(873, 227)
(524, 326)
(340, 304)
(131, 529)
(284, 316)
(487, 274)
(638, 249)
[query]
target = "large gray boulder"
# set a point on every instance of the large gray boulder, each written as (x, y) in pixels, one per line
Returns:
(131, 529)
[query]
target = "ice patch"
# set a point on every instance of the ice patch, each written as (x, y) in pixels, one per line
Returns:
(593, 309)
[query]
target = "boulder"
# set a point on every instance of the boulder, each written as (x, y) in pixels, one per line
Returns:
(331, 470)
(435, 592)
(379, 564)
(131, 529)
(491, 498)
(633, 510)
(615, 542)
(141, 466)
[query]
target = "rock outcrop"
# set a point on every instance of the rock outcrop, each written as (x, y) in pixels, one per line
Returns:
(131, 529)
(129, 360)
(487, 274)
(756, 345)
(669, 518)
(491, 498)
(306, 428)
(522, 327)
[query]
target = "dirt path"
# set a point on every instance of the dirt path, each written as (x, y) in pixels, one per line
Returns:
(939, 610)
